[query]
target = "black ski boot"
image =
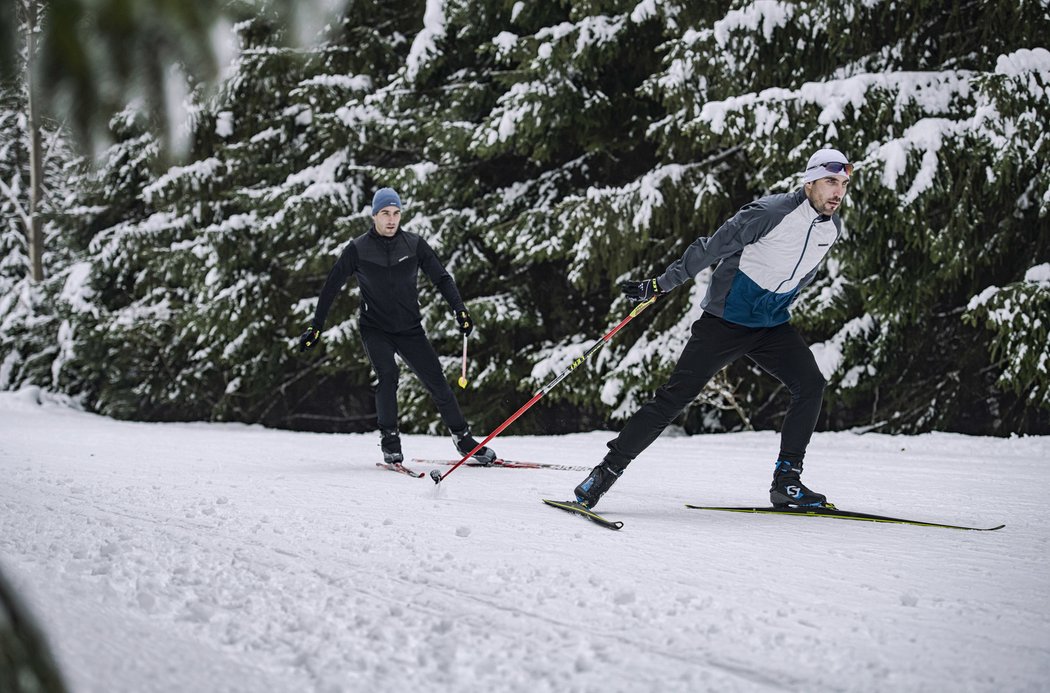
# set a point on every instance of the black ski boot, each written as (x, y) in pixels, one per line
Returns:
(596, 484)
(391, 446)
(788, 490)
(465, 443)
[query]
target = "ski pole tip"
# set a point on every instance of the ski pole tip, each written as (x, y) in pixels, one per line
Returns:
(435, 475)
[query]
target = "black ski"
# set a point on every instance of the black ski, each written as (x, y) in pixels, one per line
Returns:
(577, 509)
(840, 515)
(398, 467)
(508, 464)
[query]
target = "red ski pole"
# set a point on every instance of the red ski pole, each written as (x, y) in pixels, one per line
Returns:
(437, 476)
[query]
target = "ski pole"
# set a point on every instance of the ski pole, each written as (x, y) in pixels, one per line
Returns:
(463, 376)
(437, 476)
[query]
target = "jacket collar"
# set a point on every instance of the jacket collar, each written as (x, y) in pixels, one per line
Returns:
(375, 235)
(800, 197)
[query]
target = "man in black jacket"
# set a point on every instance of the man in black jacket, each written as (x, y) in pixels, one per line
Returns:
(386, 262)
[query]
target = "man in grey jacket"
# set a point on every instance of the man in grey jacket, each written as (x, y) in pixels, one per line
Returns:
(765, 254)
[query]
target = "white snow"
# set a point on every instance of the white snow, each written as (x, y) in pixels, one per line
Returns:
(644, 10)
(76, 291)
(224, 124)
(197, 172)
(1023, 61)
(982, 298)
(66, 351)
(197, 557)
(424, 45)
(505, 42)
(521, 103)
(763, 13)
(829, 354)
(346, 82)
(1040, 274)
(7, 367)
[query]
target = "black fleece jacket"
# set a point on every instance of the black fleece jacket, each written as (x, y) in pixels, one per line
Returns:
(387, 270)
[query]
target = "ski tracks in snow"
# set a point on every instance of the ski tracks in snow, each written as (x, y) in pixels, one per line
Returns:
(299, 581)
(232, 558)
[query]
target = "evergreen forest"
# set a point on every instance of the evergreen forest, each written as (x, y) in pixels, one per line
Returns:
(159, 262)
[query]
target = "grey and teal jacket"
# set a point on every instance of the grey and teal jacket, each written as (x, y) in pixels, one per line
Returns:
(765, 254)
(387, 270)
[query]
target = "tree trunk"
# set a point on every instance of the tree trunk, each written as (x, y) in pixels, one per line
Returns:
(35, 232)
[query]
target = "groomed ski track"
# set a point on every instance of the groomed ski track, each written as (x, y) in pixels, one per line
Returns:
(174, 557)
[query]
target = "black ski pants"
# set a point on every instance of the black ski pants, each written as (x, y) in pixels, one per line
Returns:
(714, 344)
(417, 352)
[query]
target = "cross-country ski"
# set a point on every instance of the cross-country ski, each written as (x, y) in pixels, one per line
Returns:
(400, 468)
(575, 508)
(508, 464)
(836, 513)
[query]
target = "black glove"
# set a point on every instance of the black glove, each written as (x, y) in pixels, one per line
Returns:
(640, 290)
(309, 338)
(466, 325)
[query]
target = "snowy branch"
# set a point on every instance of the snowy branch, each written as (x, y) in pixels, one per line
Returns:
(26, 220)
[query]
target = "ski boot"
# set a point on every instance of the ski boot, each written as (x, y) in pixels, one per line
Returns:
(788, 490)
(596, 484)
(390, 444)
(465, 443)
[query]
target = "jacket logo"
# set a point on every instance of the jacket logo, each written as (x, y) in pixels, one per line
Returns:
(403, 258)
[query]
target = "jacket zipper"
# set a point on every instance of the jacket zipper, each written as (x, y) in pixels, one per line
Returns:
(805, 245)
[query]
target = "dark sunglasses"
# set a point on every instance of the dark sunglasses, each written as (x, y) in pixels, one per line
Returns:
(835, 167)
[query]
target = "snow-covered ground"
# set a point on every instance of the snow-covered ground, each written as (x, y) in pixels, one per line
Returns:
(197, 557)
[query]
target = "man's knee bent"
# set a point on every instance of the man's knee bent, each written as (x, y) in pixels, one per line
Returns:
(670, 402)
(811, 385)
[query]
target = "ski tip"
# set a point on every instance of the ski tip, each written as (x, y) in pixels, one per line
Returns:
(578, 508)
(576, 505)
(401, 469)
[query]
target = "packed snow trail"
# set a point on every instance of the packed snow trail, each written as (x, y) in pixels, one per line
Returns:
(174, 557)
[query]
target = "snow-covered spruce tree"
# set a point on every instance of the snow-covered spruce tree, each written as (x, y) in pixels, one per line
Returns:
(34, 335)
(517, 112)
(564, 146)
(549, 149)
(944, 207)
(1010, 126)
(295, 139)
(206, 278)
(936, 213)
(119, 323)
(20, 301)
